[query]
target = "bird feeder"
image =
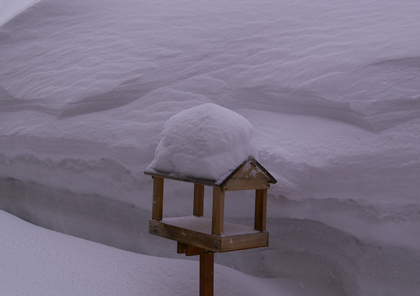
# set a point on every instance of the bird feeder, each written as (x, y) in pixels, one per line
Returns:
(197, 235)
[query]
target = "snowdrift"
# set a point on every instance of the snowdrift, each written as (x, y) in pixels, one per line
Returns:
(331, 89)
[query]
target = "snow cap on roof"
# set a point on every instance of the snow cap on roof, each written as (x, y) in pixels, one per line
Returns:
(207, 141)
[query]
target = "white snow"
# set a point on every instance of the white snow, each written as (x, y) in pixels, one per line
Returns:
(36, 261)
(11, 8)
(206, 141)
(332, 90)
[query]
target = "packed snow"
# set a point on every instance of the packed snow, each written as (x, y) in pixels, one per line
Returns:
(206, 141)
(36, 261)
(11, 8)
(332, 91)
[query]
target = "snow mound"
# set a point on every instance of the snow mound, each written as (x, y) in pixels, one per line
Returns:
(9, 9)
(207, 141)
(37, 261)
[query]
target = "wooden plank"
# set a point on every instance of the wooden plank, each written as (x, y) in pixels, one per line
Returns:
(236, 184)
(207, 274)
(218, 216)
(189, 250)
(181, 248)
(260, 219)
(194, 251)
(247, 178)
(242, 242)
(198, 200)
(207, 241)
(185, 236)
(181, 178)
(157, 208)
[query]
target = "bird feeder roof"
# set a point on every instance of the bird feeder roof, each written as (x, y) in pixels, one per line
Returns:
(249, 175)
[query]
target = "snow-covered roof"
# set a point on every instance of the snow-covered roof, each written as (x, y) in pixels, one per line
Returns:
(249, 175)
(204, 142)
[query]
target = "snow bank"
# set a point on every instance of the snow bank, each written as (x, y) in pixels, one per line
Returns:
(11, 8)
(207, 141)
(332, 90)
(38, 262)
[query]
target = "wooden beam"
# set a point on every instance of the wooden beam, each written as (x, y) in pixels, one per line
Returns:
(218, 216)
(185, 236)
(194, 251)
(157, 209)
(248, 177)
(181, 248)
(217, 244)
(207, 274)
(181, 178)
(260, 209)
(243, 242)
(189, 250)
(198, 200)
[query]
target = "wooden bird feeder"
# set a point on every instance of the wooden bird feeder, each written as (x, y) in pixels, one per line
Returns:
(197, 235)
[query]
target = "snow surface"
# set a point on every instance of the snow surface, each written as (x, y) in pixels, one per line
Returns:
(331, 89)
(206, 141)
(39, 262)
(11, 8)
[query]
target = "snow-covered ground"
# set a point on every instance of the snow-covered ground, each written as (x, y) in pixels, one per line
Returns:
(11, 8)
(332, 90)
(36, 261)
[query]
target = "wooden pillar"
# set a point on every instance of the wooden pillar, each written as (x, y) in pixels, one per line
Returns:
(207, 274)
(260, 209)
(198, 200)
(157, 209)
(218, 211)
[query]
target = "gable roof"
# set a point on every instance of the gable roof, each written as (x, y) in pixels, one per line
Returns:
(249, 175)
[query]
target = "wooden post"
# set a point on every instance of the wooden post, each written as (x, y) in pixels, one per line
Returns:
(207, 274)
(157, 209)
(260, 209)
(198, 200)
(218, 211)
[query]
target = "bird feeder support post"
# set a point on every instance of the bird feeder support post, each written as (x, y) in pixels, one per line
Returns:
(207, 259)
(207, 274)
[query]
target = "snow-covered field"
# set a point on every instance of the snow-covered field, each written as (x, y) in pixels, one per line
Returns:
(332, 90)
(36, 261)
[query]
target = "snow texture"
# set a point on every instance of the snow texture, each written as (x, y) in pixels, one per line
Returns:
(11, 8)
(332, 90)
(207, 142)
(39, 262)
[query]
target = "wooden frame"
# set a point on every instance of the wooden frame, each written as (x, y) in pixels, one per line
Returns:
(207, 241)
(204, 236)
(215, 241)
(239, 175)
